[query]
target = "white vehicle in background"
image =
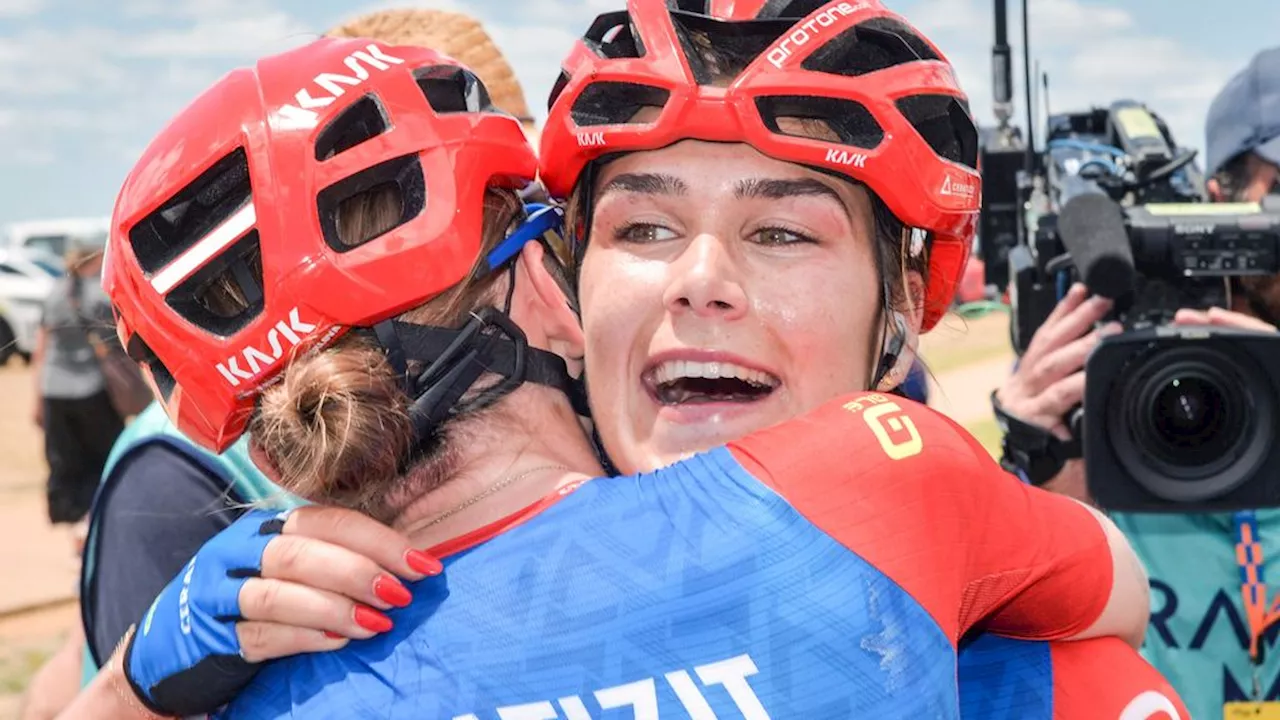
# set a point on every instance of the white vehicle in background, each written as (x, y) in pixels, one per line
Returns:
(26, 279)
(53, 236)
(31, 255)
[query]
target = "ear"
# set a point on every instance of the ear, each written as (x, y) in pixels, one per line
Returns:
(914, 286)
(1214, 189)
(903, 331)
(546, 300)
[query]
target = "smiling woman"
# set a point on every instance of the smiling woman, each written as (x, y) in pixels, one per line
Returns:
(708, 286)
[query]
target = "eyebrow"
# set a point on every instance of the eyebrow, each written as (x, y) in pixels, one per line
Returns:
(772, 189)
(646, 183)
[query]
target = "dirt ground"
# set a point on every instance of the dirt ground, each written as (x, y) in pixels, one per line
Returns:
(38, 570)
(37, 566)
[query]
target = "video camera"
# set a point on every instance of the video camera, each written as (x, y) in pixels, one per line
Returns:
(1174, 419)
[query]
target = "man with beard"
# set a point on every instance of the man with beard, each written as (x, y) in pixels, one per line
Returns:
(1203, 636)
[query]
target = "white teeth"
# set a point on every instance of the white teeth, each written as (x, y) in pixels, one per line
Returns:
(677, 369)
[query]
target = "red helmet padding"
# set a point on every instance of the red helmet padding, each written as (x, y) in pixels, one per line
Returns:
(921, 188)
(312, 293)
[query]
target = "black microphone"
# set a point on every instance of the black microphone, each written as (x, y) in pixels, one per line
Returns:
(1093, 232)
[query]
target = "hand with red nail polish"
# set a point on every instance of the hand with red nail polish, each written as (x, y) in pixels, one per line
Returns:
(333, 570)
(273, 585)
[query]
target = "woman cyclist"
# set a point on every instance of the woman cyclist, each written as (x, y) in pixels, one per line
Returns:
(532, 290)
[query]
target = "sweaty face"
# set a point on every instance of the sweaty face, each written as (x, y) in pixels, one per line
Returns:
(722, 292)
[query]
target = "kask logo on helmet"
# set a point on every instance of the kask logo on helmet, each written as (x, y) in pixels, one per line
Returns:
(810, 29)
(302, 115)
(290, 331)
(843, 157)
(591, 139)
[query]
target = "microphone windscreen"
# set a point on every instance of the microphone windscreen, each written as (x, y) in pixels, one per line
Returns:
(1093, 232)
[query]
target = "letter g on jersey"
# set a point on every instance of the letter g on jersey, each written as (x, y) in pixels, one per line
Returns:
(897, 434)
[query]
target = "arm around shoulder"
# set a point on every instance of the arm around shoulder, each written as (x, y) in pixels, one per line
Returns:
(1129, 606)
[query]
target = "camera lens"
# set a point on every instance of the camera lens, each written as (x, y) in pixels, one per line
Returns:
(1191, 421)
(1194, 418)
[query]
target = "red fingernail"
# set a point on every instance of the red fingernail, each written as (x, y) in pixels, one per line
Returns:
(423, 563)
(334, 635)
(372, 620)
(390, 591)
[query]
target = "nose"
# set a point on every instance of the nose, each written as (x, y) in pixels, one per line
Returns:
(706, 280)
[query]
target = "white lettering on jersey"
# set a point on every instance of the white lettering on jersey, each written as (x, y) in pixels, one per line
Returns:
(733, 674)
(532, 711)
(642, 696)
(1150, 704)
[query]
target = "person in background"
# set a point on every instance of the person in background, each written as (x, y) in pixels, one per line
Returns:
(1203, 636)
(73, 408)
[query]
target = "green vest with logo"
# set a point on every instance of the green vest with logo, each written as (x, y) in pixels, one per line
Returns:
(1199, 634)
(152, 425)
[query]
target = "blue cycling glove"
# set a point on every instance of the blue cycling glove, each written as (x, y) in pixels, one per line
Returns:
(185, 657)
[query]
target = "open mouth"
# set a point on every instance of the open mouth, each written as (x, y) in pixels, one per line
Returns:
(680, 382)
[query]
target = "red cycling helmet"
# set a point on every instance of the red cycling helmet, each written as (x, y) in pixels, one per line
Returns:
(224, 258)
(889, 94)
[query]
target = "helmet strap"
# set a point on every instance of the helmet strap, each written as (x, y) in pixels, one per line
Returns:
(490, 343)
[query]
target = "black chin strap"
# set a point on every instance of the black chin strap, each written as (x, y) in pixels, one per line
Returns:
(456, 359)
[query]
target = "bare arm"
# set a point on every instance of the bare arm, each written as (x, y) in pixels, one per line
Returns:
(109, 696)
(37, 360)
(58, 682)
(1129, 607)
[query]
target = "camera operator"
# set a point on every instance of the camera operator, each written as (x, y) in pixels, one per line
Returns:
(1200, 634)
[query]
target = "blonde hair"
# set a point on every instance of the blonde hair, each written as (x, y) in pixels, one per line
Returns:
(459, 36)
(336, 426)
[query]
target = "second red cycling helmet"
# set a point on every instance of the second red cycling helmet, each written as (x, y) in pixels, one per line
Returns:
(224, 258)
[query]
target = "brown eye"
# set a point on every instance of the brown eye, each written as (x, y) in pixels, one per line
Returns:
(642, 233)
(780, 236)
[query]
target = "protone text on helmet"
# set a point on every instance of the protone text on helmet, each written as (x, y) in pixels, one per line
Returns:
(810, 29)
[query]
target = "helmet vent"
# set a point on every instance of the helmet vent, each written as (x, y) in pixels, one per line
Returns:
(719, 50)
(873, 45)
(561, 83)
(163, 379)
(363, 120)
(612, 36)
(789, 9)
(944, 122)
(226, 292)
(191, 214)
(852, 123)
(615, 103)
(451, 89)
(367, 205)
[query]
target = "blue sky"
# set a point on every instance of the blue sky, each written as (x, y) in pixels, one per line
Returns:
(84, 84)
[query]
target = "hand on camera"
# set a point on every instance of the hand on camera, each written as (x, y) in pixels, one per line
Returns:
(1219, 317)
(1049, 379)
(270, 585)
